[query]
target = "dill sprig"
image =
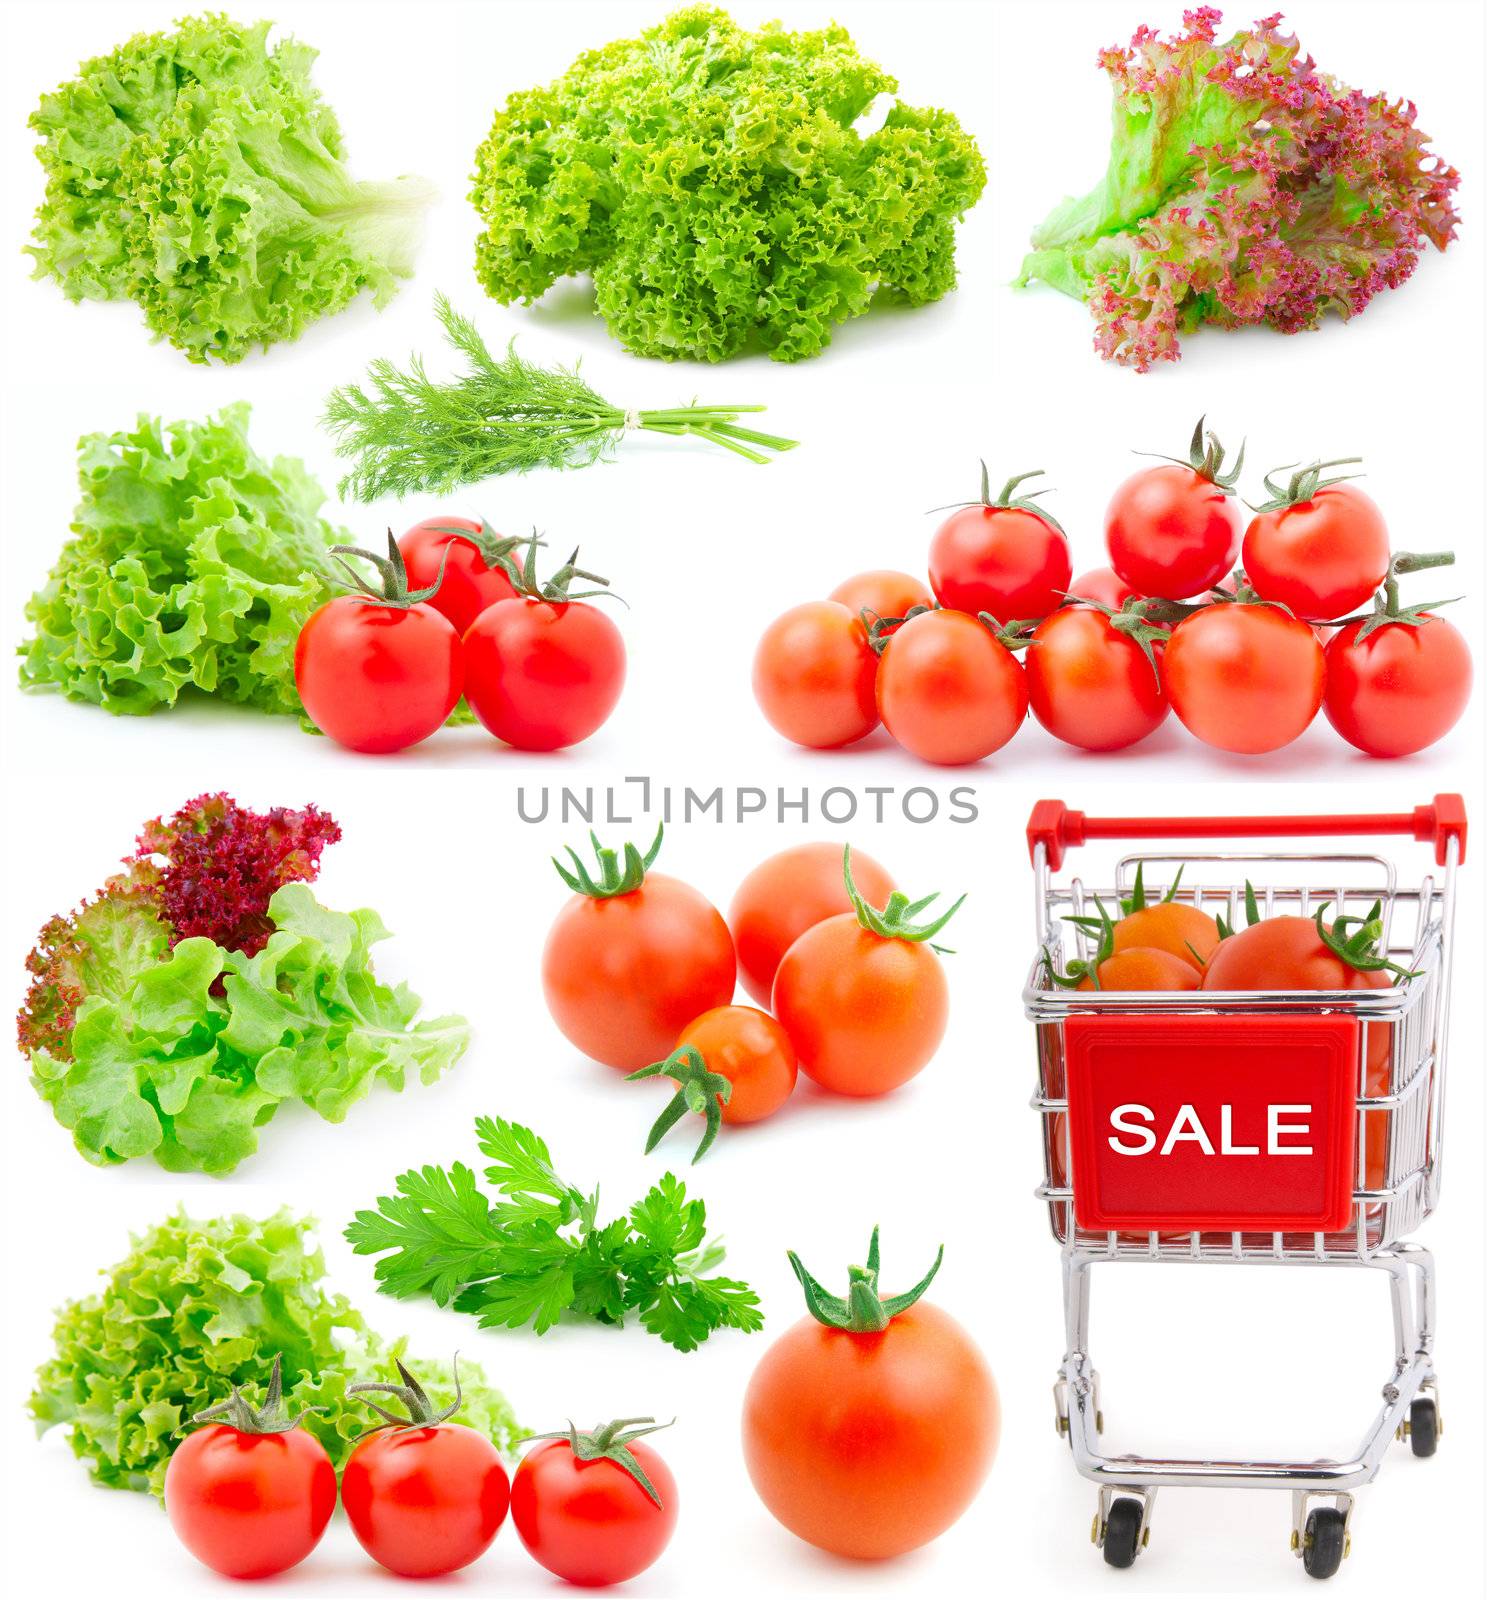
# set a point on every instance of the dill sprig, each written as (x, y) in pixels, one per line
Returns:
(408, 433)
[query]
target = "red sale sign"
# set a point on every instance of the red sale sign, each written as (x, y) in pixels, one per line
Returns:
(1212, 1123)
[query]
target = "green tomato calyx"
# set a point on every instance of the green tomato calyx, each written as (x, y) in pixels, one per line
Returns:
(863, 1310)
(611, 1443)
(420, 1410)
(612, 880)
(237, 1411)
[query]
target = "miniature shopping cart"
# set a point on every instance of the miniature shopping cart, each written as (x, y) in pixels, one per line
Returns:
(1248, 1126)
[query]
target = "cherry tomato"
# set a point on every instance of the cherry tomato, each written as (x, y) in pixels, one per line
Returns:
(584, 1515)
(863, 997)
(473, 578)
(1140, 969)
(948, 690)
(870, 1436)
(752, 1051)
(1321, 556)
(378, 678)
(1172, 531)
(1090, 684)
(814, 675)
(1004, 556)
(631, 960)
(251, 1497)
(1401, 688)
(1102, 584)
(1181, 930)
(787, 894)
(883, 593)
(1247, 678)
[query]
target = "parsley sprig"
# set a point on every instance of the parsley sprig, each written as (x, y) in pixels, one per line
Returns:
(539, 1251)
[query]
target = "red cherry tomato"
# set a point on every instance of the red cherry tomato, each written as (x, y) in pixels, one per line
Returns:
(378, 678)
(883, 593)
(1102, 584)
(424, 1501)
(1172, 531)
(1247, 678)
(787, 894)
(948, 690)
(1321, 557)
(1004, 557)
(589, 1520)
(1090, 684)
(814, 674)
(472, 579)
(1401, 688)
(252, 1500)
(543, 674)
(624, 970)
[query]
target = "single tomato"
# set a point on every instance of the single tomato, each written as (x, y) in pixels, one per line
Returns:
(424, 1496)
(787, 894)
(595, 1508)
(632, 958)
(250, 1496)
(468, 565)
(870, 1425)
(1183, 931)
(882, 593)
(1006, 557)
(814, 676)
(1091, 680)
(1319, 547)
(1244, 677)
(1172, 531)
(1396, 687)
(380, 669)
(949, 690)
(863, 996)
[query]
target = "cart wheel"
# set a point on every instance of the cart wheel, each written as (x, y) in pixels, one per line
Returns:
(1425, 1428)
(1324, 1542)
(1123, 1532)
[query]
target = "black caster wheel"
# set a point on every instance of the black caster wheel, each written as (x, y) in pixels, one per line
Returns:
(1324, 1542)
(1425, 1426)
(1123, 1532)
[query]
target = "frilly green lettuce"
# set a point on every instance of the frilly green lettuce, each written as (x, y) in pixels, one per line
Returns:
(199, 173)
(712, 181)
(197, 1306)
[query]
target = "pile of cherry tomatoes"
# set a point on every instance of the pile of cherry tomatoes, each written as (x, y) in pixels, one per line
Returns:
(1310, 620)
(456, 612)
(639, 972)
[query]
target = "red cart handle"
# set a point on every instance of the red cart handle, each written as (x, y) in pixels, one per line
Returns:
(1058, 829)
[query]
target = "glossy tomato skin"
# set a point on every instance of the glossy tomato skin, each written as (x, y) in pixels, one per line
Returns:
(753, 1052)
(787, 894)
(883, 592)
(1001, 560)
(468, 586)
(1400, 689)
(543, 674)
(1322, 557)
(624, 975)
(1246, 678)
(425, 1501)
(249, 1505)
(1090, 685)
(814, 676)
(948, 690)
(378, 678)
(1144, 969)
(1181, 930)
(865, 1013)
(1171, 533)
(590, 1522)
(1105, 585)
(869, 1445)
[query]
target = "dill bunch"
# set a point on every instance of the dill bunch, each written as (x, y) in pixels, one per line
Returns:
(409, 433)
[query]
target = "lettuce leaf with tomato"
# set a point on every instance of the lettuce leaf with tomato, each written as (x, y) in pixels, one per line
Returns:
(1244, 187)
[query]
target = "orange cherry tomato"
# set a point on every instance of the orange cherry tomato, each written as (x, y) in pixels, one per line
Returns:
(751, 1050)
(1181, 930)
(1135, 969)
(883, 592)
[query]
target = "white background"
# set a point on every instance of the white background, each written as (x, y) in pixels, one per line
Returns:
(706, 549)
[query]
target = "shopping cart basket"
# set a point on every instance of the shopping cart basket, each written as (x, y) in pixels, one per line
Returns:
(1292, 1127)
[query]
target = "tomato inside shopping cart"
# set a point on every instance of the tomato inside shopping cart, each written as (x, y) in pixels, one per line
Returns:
(1213, 1123)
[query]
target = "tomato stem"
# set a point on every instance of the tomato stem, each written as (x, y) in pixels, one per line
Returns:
(1206, 458)
(1304, 484)
(1008, 499)
(611, 880)
(242, 1414)
(394, 590)
(610, 1443)
(494, 548)
(896, 919)
(420, 1409)
(863, 1310)
(698, 1090)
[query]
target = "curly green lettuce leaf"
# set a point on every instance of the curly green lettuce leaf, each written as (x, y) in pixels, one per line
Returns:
(200, 173)
(712, 181)
(1244, 187)
(197, 1306)
(186, 1069)
(193, 564)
